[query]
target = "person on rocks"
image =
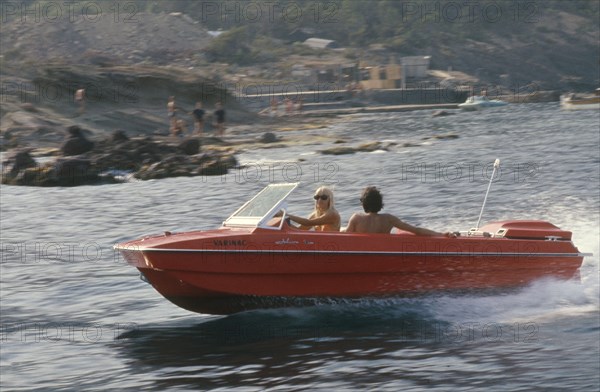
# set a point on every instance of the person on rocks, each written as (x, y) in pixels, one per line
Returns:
(324, 217)
(220, 119)
(198, 114)
(180, 128)
(289, 106)
(299, 105)
(171, 112)
(80, 100)
(274, 107)
(374, 222)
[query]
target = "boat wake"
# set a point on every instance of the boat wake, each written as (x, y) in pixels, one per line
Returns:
(541, 300)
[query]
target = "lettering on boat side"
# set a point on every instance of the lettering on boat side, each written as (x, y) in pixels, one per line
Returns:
(229, 242)
(286, 241)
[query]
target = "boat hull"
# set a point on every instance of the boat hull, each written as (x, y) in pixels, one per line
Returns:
(581, 105)
(479, 102)
(226, 271)
(479, 106)
(585, 103)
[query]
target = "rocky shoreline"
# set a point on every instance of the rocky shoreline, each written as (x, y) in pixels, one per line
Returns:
(80, 161)
(87, 158)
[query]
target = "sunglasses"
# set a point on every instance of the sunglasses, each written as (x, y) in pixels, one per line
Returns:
(322, 197)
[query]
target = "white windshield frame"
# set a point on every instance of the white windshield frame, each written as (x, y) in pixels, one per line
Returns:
(253, 221)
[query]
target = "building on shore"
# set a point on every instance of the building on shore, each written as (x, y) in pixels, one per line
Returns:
(361, 75)
(394, 75)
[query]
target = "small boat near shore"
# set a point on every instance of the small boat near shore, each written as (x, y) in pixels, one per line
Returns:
(574, 102)
(478, 102)
(256, 259)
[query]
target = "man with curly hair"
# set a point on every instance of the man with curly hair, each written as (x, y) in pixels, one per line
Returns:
(374, 222)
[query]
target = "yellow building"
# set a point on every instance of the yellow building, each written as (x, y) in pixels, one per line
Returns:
(394, 75)
(381, 77)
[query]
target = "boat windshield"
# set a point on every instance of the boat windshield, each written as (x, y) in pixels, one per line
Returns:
(262, 207)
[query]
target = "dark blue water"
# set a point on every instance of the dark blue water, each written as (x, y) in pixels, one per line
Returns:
(74, 316)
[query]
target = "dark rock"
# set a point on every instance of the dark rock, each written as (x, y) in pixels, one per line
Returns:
(199, 159)
(119, 136)
(76, 146)
(449, 136)
(130, 155)
(338, 151)
(74, 131)
(229, 161)
(153, 171)
(24, 160)
(145, 158)
(77, 143)
(8, 141)
(268, 137)
(62, 172)
(29, 107)
(213, 168)
(31, 176)
(174, 159)
(208, 164)
(190, 146)
(367, 147)
(19, 161)
(72, 172)
(442, 113)
(370, 147)
(215, 141)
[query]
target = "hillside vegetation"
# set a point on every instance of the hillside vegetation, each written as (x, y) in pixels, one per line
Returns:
(553, 44)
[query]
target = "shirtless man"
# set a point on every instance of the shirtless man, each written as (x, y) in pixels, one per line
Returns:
(80, 99)
(198, 114)
(373, 222)
(220, 117)
(171, 110)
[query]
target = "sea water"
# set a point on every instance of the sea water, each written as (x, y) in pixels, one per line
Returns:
(75, 316)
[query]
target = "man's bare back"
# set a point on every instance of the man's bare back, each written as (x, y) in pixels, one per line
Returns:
(383, 223)
(373, 222)
(369, 223)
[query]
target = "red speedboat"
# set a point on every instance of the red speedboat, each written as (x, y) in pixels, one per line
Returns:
(256, 260)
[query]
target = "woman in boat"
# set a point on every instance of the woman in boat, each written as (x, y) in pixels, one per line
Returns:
(324, 217)
(374, 222)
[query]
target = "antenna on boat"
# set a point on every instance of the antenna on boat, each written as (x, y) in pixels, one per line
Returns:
(496, 165)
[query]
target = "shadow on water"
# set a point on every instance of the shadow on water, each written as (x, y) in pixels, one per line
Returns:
(394, 341)
(271, 345)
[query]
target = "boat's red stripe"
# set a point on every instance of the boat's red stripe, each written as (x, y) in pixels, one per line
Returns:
(233, 251)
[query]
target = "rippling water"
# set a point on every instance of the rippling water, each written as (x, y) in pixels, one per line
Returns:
(75, 317)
